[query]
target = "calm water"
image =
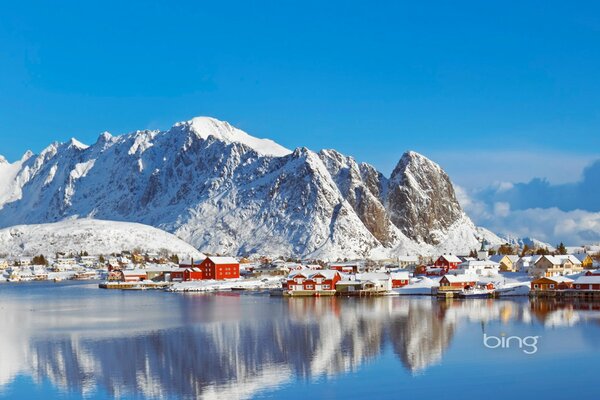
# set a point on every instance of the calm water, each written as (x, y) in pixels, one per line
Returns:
(72, 341)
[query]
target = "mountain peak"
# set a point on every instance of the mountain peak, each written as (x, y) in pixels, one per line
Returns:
(76, 144)
(28, 154)
(203, 127)
(105, 137)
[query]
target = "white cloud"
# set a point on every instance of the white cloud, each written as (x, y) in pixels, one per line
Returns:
(483, 168)
(501, 209)
(550, 225)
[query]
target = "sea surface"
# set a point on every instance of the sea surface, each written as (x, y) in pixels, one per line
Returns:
(71, 340)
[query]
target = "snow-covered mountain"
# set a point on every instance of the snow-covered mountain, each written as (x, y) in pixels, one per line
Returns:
(225, 191)
(91, 235)
(526, 241)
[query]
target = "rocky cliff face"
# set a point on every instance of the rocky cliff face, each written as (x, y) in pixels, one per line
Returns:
(421, 199)
(225, 191)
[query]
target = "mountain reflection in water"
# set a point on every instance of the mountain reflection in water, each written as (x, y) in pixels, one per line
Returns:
(230, 345)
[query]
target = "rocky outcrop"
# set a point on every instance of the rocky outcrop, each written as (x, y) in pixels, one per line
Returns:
(421, 199)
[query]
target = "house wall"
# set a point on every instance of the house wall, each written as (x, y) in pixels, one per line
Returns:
(587, 286)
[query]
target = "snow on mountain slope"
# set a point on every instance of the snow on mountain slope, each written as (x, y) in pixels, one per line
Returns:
(94, 236)
(204, 127)
(530, 242)
(224, 191)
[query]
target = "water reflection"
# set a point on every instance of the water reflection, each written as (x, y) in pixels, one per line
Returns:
(232, 346)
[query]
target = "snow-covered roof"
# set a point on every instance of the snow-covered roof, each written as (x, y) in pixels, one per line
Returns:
(373, 276)
(592, 279)
(581, 256)
(459, 278)
(408, 259)
(346, 264)
(188, 261)
(309, 273)
(561, 259)
(557, 279)
(451, 258)
(223, 260)
(569, 257)
(478, 263)
(400, 275)
(134, 272)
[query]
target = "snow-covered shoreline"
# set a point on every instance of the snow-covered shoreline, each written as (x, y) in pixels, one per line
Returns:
(270, 282)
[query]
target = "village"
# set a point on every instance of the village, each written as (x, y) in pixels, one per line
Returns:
(484, 273)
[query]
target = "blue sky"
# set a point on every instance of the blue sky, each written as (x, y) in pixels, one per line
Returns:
(467, 83)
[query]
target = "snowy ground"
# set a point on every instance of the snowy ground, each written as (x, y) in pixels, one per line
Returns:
(510, 284)
(269, 282)
(91, 235)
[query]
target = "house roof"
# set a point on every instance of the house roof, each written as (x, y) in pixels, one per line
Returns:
(373, 276)
(309, 273)
(223, 260)
(592, 279)
(479, 263)
(459, 278)
(450, 258)
(557, 279)
(581, 256)
(399, 275)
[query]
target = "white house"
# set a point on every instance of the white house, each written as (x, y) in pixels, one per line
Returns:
(478, 267)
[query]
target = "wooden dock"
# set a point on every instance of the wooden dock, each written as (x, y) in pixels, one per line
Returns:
(135, 285)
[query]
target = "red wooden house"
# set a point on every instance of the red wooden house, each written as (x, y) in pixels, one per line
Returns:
(220, 268)
(447, 262)
(544, 284)
(457, 282)
(187, 274)
(217, 268)
(312, 283)
(587, 282)
(399, 279)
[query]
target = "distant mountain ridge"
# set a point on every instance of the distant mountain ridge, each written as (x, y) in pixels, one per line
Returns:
(224, 191)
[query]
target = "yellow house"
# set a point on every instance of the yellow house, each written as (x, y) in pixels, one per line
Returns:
(507, 262)
(586, 261)
(3, 264)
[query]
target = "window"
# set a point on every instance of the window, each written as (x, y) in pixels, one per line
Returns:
(535, 286)
(578, 286)
(326, 287)
(309, 287)
(552, 286)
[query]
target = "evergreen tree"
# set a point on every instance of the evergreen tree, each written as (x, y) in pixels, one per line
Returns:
(561, 249)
